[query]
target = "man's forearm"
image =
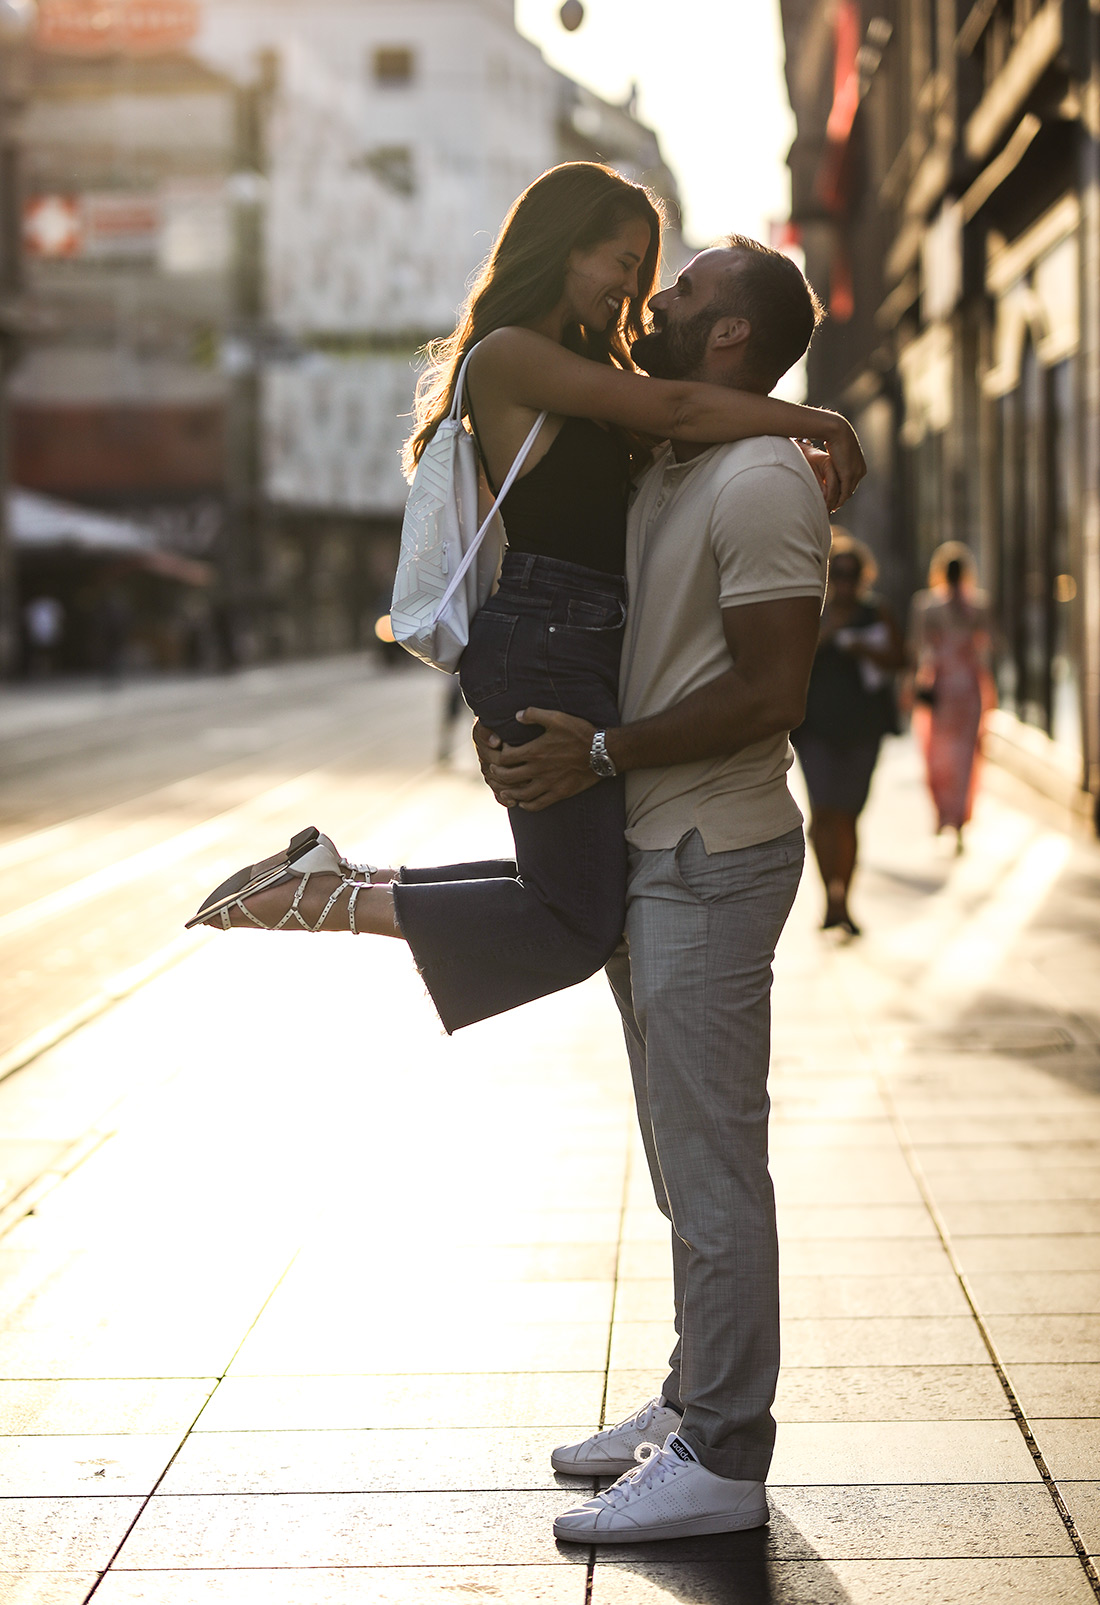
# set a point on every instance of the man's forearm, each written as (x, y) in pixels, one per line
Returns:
(717, 721)
(762, 694)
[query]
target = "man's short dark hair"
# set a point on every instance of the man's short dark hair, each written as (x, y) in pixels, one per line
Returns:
(768, 289)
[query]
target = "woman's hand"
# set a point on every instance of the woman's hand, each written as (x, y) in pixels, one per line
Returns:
(842, 444)
(824, 471)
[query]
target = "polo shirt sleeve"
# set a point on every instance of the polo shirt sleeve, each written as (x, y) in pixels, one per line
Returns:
(770, 535)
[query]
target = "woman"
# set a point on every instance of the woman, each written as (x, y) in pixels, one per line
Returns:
(953, 686)
(849, 708)
(552, 315)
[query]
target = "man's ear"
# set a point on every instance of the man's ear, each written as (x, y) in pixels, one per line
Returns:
(729, 334)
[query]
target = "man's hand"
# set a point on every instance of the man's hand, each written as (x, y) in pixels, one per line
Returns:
(545, 771)
(488, 746)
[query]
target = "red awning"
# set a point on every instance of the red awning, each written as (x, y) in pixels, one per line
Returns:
(846, 78)
(831, 185)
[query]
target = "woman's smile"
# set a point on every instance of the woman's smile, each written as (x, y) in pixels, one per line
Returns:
(594, 301)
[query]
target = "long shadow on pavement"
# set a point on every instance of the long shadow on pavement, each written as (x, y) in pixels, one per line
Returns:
(775, 1565)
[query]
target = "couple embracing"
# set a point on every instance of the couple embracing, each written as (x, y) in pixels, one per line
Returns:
(635, 676)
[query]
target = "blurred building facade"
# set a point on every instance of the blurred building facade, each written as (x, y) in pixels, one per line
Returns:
(946, 190)
(242, 219)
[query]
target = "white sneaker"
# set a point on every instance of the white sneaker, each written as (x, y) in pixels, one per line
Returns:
(611, 1452)
(667, 1495)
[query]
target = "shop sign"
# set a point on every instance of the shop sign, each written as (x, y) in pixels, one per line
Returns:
(116, 27)
(104, 225)
(942, 263)
(51, 226)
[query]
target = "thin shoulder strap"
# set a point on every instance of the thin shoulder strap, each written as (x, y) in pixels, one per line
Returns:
(510, 479)
(460, 384)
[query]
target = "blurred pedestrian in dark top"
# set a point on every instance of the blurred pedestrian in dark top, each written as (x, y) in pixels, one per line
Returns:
(850, 707)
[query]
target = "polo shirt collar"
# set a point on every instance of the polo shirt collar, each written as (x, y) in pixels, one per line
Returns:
(669, 465)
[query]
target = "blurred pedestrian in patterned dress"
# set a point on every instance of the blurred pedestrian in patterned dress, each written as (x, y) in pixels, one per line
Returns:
(953, 687)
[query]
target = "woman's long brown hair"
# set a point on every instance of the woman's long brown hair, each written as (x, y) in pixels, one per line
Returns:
(570, 208)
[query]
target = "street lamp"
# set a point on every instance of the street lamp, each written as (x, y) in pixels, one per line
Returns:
(17, 19)
(572, 15)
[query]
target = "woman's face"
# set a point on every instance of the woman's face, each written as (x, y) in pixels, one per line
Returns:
(600, 279)
(845, 574)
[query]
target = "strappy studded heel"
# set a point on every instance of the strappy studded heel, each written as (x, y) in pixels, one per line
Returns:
(309, 853)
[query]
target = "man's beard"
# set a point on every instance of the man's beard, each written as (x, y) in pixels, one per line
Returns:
(677, 350)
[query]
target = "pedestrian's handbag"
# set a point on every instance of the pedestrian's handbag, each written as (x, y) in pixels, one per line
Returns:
(449, 562)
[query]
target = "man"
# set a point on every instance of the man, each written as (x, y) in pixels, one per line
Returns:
(726, 567)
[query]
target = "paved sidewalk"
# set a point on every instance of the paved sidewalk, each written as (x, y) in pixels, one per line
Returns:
(324, 1288)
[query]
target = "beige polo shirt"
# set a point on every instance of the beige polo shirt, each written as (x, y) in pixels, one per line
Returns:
(738, 524)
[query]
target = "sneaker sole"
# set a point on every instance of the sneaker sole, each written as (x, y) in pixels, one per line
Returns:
(593, 1468)
(695, 1528)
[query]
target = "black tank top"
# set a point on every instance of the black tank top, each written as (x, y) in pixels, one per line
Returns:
(572, 504)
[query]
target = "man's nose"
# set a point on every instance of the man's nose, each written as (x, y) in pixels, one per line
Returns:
(657, 302)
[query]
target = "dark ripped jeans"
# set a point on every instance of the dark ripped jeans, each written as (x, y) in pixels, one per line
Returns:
(489, 936)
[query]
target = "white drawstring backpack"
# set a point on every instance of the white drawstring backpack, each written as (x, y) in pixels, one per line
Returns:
(448, 563)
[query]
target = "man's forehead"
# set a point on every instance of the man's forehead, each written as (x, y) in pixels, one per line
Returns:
(711, 263)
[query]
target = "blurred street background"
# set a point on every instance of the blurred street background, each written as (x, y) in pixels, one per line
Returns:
(296, 1294)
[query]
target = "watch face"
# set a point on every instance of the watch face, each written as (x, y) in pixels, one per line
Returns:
(600, 760)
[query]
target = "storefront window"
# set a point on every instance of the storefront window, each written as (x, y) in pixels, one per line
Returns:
(1033, 620)
(1035, 589)
(1065, 698)
(1006, 579)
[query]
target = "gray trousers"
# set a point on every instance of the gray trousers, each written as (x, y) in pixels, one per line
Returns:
(693, 983)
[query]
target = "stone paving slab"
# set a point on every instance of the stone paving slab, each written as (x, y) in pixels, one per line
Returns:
(549, 1399)
(814, 1582)
(46, 1588)
(1057, 1390)
(371, 1460)
(46, 1408)
(1071, 1448)
(77, 1534)
(397, 1585)
(335, 1530)
(928, 1393)
(850, 1452)
(56, 1466)
(1084, 1501)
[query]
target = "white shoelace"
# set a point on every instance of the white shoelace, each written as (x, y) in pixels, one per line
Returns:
(642, 1420)
(654, 1467)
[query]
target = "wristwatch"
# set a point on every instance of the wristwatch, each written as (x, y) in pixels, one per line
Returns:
(599, 759)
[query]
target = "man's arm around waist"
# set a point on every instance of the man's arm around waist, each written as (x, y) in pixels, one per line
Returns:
(761, 694)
